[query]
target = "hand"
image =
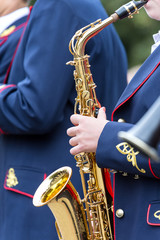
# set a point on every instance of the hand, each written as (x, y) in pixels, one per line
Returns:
(86, 132)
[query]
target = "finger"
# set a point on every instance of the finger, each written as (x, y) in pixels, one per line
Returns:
(73, 141)
(75, 150)
(102, 113)
(75, 119)
(71, 131)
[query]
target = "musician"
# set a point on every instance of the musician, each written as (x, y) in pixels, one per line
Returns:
(36, 102)
(136, 178)
(13, 17)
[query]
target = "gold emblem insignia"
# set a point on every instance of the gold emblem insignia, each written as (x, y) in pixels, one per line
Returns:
(157, 214)
(131, 155)
(11, 178)
(7, 31)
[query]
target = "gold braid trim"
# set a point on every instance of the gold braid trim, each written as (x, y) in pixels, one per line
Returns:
(128, 150)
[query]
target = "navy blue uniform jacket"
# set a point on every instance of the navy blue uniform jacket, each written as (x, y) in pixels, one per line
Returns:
(9, 40)
(136, 184)
(36, 103)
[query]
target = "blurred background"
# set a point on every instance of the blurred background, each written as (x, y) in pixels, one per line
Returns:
(136, 33)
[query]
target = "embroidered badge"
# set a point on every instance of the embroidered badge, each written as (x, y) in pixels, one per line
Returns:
(8, 31)
(131, 155)
(11, 178)
(157, 214)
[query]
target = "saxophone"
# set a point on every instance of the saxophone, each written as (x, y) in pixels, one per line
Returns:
(89, 218)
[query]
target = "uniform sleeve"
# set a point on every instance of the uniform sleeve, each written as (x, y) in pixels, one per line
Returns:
(114, 154)
(36, 103)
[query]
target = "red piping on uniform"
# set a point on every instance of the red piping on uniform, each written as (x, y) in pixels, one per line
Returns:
(4, 39)
(134, 91)
(152, 224)
(149, 162)
(45, 176)
(7, 86)
(108, 184)
(9, 68)
(30, 8)
(73, 194)
(2, 132)
(16, 29)
(114, 225)
(15, 190)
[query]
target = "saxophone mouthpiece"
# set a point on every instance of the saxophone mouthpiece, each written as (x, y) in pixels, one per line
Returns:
(130, 8)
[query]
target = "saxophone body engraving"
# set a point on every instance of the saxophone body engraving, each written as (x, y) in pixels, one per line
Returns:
(89, 218)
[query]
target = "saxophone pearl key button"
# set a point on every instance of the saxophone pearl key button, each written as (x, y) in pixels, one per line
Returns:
(119, 213)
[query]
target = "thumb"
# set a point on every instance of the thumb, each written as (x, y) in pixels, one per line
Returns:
(102, 113)
(75, 118)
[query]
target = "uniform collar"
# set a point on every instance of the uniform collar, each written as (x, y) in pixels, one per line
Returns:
(140, 77)
(156, 38)
(10, 18)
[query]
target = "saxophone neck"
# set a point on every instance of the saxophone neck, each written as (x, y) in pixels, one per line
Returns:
(81, 37)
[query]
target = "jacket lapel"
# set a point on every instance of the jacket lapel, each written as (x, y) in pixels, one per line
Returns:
(3, 40)
(142, 75)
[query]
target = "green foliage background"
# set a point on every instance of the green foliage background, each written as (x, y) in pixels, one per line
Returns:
(32, 2)
(136, 34)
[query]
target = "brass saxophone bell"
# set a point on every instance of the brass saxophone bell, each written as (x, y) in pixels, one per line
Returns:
(64, 202)
(51, 186)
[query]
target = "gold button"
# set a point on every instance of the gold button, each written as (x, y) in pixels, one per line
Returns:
(119, 213)
(121, 120)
